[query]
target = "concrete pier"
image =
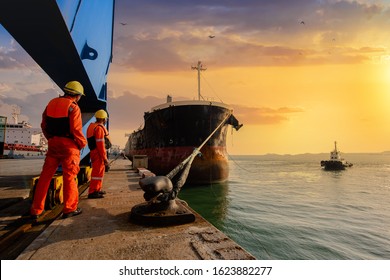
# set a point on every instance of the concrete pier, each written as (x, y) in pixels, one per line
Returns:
(103, 231)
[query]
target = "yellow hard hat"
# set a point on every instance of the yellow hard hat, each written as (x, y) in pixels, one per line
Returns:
(101, 114)
(74, 88)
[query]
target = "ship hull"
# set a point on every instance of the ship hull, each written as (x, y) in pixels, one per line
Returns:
(23, 151)
(210, 166)
(335, 165)
(172, 132)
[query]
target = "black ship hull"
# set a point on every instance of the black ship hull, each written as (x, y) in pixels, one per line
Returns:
(173, 130)
(335, 165)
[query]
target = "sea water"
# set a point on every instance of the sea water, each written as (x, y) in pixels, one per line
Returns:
(288, 208)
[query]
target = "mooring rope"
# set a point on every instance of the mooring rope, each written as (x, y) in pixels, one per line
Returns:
(117, 156)
(188, 161)
(236, 163)
(195, 152)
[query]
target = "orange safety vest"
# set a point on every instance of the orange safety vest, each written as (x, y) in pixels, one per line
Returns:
(62, 117)
(91, 139)
(57, 117)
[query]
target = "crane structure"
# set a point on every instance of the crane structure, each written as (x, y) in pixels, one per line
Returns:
(69, 40)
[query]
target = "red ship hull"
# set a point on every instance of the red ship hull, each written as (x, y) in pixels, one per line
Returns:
(210, 166)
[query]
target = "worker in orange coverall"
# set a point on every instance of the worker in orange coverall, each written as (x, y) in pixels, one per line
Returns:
(98, 143)
(62, 126)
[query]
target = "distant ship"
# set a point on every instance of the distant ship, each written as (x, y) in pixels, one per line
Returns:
(335, 162)
(173, 130)
(20, 139)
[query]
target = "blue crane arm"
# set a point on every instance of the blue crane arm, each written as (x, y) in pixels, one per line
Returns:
(70, 40)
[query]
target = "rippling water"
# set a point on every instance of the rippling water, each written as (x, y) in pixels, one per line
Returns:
(287, 207)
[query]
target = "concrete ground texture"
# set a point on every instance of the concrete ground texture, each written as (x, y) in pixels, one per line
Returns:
(104, 231)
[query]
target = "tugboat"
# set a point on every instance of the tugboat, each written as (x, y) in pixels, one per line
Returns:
(335, 162)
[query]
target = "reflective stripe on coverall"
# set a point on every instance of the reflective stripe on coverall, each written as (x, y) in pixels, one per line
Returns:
(61, 150)
(98, 156)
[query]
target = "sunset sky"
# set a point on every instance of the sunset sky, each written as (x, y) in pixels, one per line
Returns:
(299, 74)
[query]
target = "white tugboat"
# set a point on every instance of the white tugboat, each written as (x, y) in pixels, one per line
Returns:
(335, 162)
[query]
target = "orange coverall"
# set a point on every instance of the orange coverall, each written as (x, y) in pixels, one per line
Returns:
(98, 155)
(62, 126)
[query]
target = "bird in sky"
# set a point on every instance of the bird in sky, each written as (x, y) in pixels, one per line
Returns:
(123, 23)
(302, 22)
(211, 36)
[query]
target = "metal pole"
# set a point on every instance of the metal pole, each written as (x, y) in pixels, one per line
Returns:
(199, 66)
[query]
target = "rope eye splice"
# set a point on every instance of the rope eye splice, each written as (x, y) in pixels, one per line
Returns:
(162, 208)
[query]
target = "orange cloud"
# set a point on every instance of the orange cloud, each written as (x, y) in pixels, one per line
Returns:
(263, 115)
